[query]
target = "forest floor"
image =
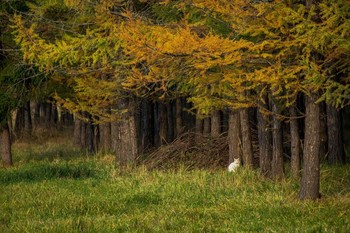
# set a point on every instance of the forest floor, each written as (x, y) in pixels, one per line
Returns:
(56, 188)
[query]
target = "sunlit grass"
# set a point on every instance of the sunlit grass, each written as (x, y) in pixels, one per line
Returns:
(47, 192)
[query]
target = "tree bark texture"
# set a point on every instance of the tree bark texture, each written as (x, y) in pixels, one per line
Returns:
(215, 124)
(179, 122)
(128, 133)
(295, 142)
(310, 180)
(5, 145)
(163, 124)
(247, 148)
(336, 153)
(264, 138)
(277, 146)
(234, 141)
(77, 133)
(206, 126)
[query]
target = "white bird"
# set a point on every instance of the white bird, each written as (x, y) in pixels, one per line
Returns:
(234, 165)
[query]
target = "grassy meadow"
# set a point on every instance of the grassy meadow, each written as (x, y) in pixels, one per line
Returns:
(55, 188)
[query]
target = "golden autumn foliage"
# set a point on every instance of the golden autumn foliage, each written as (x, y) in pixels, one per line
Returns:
(220, 53)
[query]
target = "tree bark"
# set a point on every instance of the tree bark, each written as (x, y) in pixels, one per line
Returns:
(179, 122)
(37, 114)
(206, 126)
(323, 132)
(233, 136)
(247, 148)
(264, 137)
(163, 124)
(199, 128)
(277, 146)
(77, 133)
(105, 137)
(90, 135)
(310, 180)
(28, 126)
(5, 145)
(128, 134)
(336, 153)
(215, 124)
(170, 121)
(295, 142)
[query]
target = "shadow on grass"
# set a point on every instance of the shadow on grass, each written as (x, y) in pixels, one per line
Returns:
(45, 171)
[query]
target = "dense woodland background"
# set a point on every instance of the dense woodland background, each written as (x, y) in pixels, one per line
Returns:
(159, 82)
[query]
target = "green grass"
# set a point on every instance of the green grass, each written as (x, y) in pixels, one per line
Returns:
(55, 191)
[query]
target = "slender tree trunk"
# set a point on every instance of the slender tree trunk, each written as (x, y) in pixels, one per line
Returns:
(83, 133)
(19, 123)
(37, 115)
(295, 142)
(336, 153)
(28, 126)
(77, 133)
(179, 122)
(156, 137)
(5, 145)
(247, 148)
(90, 136)
(234, 135)
(115, 137)
(146, 125)
(310, 180)
(206, 126)
(277, 146)
(170, 121)
(215, 124)
(199, 128)
(163, 124)
(264, 137)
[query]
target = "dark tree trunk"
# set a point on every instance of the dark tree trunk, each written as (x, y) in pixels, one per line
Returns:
(215, 124)
(5, 145)
(233, 135)
(48, 114)
(37, 114)
(247, 148)
(28, 126)
(19, 124)
(163, 124)
(277, 146)
(206, 126)
(199, 128)
(295, 142)
(156, 124)
(336, 153)
(170, 121)
(146, 125)
(264, 138)
(310, 180)
(54, 118)
(77, 133)
(83, 134)
(90, 135)
(128, 134)
(179, 123)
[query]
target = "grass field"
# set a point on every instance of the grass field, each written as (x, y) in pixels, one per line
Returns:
(54, 188)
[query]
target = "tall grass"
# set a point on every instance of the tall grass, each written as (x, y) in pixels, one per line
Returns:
(53, 192)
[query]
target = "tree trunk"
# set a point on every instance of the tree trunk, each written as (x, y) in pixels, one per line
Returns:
(90, 136)
(156, 138)
(295, 142)
(19, 123)
(5, 145)
(105, 137)
(37, 114)
(128, 134)
(206, 126)
(115, 137)
(28, 126)
(199, 128)
(336, 153)
(215, 124)
(323, 132)
(170, 121)
(310, 180)
(247, 148)
(163, 124)
(179, 123)
(77, 133)
(146, 125)
(264, 138)
(277, 146)
(233, 136)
